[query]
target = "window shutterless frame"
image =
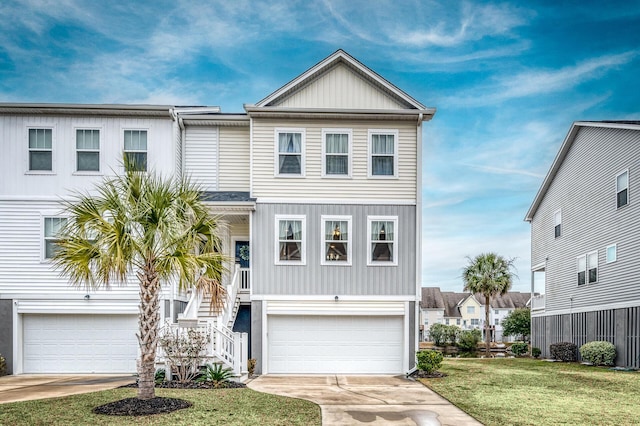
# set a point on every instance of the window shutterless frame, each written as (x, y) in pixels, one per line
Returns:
(289, 152)
(581, 267)
(382, 240)
(336, 153)
(382, 153)
(290, 239)
(336, 240)
(612, 253)
(557, 223)
(40, 143)
(592, 267)
(135, 147)
(51, 226)
(88, 159)
(622, 188)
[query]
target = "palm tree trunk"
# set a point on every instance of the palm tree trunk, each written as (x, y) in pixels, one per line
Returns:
(487, 337)
(148, 323)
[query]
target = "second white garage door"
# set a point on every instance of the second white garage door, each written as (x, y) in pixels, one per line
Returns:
(303, 344)
(79, 343)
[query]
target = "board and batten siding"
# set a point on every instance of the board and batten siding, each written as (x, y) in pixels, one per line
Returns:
(358, 187)
(23, 272)
(201, 156)
(234, 158)
(340, 87)
(317, 279)
(14, 143)
(584, 188)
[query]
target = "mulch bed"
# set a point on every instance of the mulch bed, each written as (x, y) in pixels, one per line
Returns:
(192, 385)
(142, 407)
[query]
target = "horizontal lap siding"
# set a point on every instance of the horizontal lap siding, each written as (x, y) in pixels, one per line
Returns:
(201, 156)
(234, 154)
(21, 269)
(316, 279)
(584, 188)
(14, 148)
(313, 185)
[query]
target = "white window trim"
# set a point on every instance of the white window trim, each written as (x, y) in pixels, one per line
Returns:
(372, 132)
(578, 270)
(393, 219)
(323, 260)
(628, 188)
(122, 151)
(100, 151)
(597, 269)
(303, 255)
(556, 214)
(43, 216)
(276, 151)
(349, 133)
(53, 149)
(615, 253)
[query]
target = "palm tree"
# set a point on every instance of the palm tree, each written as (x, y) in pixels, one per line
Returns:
(159, 229)
(490, 275)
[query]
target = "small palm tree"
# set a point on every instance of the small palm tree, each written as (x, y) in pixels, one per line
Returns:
(490, 275)
(158, 229)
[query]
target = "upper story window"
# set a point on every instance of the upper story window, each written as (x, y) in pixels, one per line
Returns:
(41, 150)
(458, 321)
(336, 150)
(612, 253)
(592, 266)
(622, 189)
(290, 152)
(557, 219)
(87, 150)
(52, 227)
(496, 321)
(582, 269)
(475, 321)
(135, 149)
(290, 239)
(336, 240)
(383, 153)
(382, 240)
(471, 309)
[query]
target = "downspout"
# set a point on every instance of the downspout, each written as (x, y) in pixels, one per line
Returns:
(418, 238)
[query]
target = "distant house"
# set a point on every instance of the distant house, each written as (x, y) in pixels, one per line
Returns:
(465, 310)
(585, 241)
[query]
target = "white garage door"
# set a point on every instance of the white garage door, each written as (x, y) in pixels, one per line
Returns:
(79, 343)
(335, 344)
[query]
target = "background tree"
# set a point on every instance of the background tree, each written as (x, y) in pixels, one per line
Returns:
(490, 275)
(517, 323)
(158, 229)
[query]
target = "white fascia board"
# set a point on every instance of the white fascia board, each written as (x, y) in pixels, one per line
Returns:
(574, 310)
(331, 297)
(346, 201)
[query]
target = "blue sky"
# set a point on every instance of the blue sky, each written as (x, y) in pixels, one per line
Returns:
(507, 78)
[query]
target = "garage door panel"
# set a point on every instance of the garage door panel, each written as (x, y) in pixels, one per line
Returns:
(339, 344)
(79, 343)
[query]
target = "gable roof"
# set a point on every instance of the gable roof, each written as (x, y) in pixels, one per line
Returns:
(564, 149)
(432, 298)
(509, 300)
(340, 57)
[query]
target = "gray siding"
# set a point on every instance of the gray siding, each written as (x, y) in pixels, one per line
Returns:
(6, 333)
(585, 190)
(316, 279)
(256, 335)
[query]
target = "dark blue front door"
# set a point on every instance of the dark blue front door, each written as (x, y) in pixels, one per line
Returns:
(242, 253)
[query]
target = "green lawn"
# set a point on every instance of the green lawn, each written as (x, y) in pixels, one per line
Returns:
(210, 407)
(531, 392)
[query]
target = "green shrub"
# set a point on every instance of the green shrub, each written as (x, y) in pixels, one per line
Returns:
(598, 353)
(536, 352)
(442, 334)
(3, 366)
(468, 340)
(563, 351)
(519, 348)
(429, 361)
(160, 375)
(216, 374)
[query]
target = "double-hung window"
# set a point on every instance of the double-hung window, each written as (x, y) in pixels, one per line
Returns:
(290, 152)
(40, 150)
(52, 227)
(383, 153)
(290, 239)
(471, 309)
(135, 150)
(87, 150)
(336, 240)
(557, 220)
(382, 236)
(622, 189)
(582, 269)
(592, 266)
(336, 152)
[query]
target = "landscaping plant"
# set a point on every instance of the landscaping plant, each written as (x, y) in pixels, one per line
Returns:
(563, 351)
(3, 366)
(216, 374)
(184, 350)
(598, 353)
(251, 366)
(429, 361)
(160, 375)
(468, 341)
(517, 323)
(535, 352)
(519, 348)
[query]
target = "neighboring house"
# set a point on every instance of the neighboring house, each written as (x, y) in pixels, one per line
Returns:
(318, 186)
(465, 310)
(585, 241)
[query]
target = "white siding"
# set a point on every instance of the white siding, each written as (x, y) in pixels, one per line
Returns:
(234, 158)
(340, 87)
(201, 156)
(313, 185)
(14, 147)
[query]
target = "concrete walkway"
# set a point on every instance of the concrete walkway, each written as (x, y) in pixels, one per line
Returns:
(24, 387)
(371, 400)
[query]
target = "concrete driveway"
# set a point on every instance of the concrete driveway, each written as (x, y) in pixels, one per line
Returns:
(24, 387)
(372, 400)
